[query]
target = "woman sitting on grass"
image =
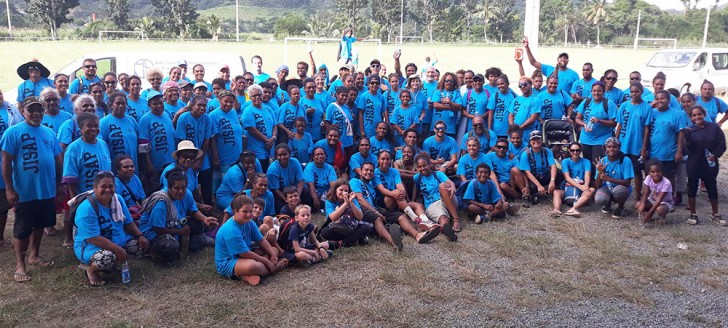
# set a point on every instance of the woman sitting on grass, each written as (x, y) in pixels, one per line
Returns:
(344, 216)
(241, 252)
(656, 195)
(105, 233)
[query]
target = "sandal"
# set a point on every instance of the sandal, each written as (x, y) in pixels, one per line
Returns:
(572, 212)
(693, 219)
(456, 225)
(21, 277)
(717, 218)
(43, 263)
(68, 245)
(555, 214)
(429, 235)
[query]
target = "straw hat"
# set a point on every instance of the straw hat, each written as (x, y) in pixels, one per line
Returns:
(186, 145)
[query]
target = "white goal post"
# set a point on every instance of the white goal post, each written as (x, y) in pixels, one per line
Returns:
(311, 41)
(140, 34)
(656, 40)
(400, 39)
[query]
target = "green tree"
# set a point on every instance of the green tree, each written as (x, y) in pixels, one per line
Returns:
(146, 25)
(118, 12)
(596, 13)
(427, 12)
(348, 11)
(508, 22)
(214, 26)
(487, 11)
(289, 25)
(321, 26)
(177, 15)
(53, 13)
(385, 13)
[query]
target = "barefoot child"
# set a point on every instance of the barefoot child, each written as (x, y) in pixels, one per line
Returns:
(302, 243)
(482, 197)
(656, 195)
(241, 252)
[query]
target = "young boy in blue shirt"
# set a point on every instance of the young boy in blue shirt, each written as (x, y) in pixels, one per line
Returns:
(482, 197)
(241, 252)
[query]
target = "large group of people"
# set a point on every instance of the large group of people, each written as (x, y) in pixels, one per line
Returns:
(242, 163)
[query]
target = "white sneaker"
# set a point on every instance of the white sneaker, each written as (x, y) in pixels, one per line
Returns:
(478, 219)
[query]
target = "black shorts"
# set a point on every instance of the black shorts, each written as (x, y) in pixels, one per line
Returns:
(34, 214)
(635, 162)
(4, 204)
(390, 217)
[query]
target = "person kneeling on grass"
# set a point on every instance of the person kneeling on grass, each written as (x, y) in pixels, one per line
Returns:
(344, 218)
(482, 197)
(438, 193)
(105, 233)
(301, 244)
(656, 195)
(241, 252)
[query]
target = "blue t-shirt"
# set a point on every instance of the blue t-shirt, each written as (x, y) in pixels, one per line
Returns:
(321, 177)
(313, 119)
(404, 118)
(429, 186)
(301, 148)
(232, 240)
(674, 103)
(80, 85)
(600, 132)
(476, 103)
(159, 132)
(269, 209)
(367, 189)
(391, 100)
(516, 151)
(501, 166)
(499, 103)
(330, 151)
(233, 182)
(190, 173)
(29, 88)
(33, 150)
(576, 169)
(522, 108)
(440, 149)
(69, 132)
(487, 141)
(712, 108)
(214, 103)
(325, 98)
(173, 109)
(566, 77)
(89, 225)
(536, 162)
(229, 136)
(197, 130)
(389, 179)
(357, 160)
(615, 95)
(449, 117)
(429, 89)
(83, 160)
(288, 113)
(485, 193)
(553, 106)
(582, 87)
(280, 177)
(262, 77)
(65, 104)
(378, 145)
(132, 192)
(340, 115)
(157, 217)
(372, 108)
(467, 165)
(120, 134)
(55, 122)
(665, 128)
(633, 119)
(136, 108)
(618, 169)
(261, 119)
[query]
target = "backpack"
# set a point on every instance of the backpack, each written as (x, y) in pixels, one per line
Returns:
(284, 232)
(532, 160)
(74, 206)
(460, 193)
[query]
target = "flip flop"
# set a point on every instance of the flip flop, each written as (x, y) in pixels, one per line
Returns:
(396, 236)
(67, 245)
(429, 235)
(43, 263)
(21, 277)
(456, 226)
(447, 231)
(50, 232)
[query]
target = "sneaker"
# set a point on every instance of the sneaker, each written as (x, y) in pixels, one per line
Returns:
(512, 209)
(693, 219)
(618, 213)
(606, 209)
(717, 218)
(535, 200)
(330, 253)
(526, 201)
(478, 219)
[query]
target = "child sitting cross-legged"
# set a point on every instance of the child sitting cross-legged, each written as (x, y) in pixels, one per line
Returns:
(656, 195)
(302, 245)
(482, 197)
(265, 224)
(241, 252)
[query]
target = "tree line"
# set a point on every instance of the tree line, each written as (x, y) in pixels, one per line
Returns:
(561, 21)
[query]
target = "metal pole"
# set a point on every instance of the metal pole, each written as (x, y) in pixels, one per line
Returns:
(10, 25)
(237, 21)
(401, 21)
(637, 34)
(705, 31)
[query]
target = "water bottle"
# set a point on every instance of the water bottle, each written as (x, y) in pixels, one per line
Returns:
(708, 155)
(125, 275)
(430, 106)
(590, 126)
(563, 117)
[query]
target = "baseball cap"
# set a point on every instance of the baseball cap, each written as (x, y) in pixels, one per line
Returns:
(200, 85)
(182, 63)
(153, 94)
(30, 101)
(183, 83)
(534, 135)
(225, 67)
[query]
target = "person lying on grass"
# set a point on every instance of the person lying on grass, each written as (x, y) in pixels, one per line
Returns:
(302, 245)
(241, 252)
(656, 195)
(484, 203)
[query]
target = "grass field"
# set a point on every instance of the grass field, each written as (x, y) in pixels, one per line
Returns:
(56, 55)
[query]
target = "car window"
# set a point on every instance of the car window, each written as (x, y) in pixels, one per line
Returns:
(720, 61)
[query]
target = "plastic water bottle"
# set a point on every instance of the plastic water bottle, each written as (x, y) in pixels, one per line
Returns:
(563, 117)
(708, 155)
(125, 274)
(590, 126)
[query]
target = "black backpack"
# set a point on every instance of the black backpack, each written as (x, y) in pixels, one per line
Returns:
(74, 206)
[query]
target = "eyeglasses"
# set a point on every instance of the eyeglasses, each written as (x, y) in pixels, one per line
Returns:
(109, 82)
(249, 80)
(449, 81)
(478, 80)
(501, 147)
(375, 65)
(478, 125)
(574, 150)
(634, 78)
(274, 85)
(89, 66)
(373, 83)
(611, 78)
(523, 85)
(33, 68)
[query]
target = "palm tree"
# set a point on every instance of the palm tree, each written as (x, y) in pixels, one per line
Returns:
(214, 25)
(596, 12)
(487, 10)
(146, 25)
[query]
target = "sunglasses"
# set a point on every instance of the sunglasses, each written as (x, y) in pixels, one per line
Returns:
(449, 81)
(634, 78)
(249, 80)
(611, 78)
(373, 83)
(90, 66)
(523, 85)
(274, 85)
(478, 80)
(478, 125)
(109, 82)
(440, 129)
(501, 147)
(375, 66)
(33, 68)
(34, 110)
(188, 156)
(574, 150)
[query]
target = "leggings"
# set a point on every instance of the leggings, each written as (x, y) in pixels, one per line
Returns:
(710, 183)
(205, 180)
(605, 195)
(329, 233)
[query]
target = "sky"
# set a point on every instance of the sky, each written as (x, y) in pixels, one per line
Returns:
(677, 4)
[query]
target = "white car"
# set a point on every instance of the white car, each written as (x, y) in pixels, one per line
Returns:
(689, 66)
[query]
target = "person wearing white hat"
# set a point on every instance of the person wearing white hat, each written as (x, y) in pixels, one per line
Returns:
(184, 159)
(35, 78)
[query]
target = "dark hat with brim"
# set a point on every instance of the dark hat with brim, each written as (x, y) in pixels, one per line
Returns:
(23, 69)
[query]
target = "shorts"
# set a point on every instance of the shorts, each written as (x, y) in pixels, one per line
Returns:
(33, 214)
(651, 202)
(437, 210)
(4, 204)
(390, 216)
(571, 193)
(635, 162)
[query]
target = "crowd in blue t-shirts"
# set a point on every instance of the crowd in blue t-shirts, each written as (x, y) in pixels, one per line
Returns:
(242, 163)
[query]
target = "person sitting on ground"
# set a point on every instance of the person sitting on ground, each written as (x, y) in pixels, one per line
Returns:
(164, 220)
(128, 185)
(283, 172)
(516, 146)
(505, 172)
(577, 179)
(484, 202)
(105, 234)
(538, 165)
(656, 195)
(237, 178)
(443, 149)
(292, 201)
(302, 244)
(344, 218)
(614, 178)
(438, 194)
(469, 161)
(185, 158)
(236, 254)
